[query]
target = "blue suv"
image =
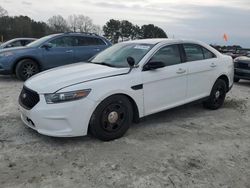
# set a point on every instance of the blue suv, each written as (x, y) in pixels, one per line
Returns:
(49, 52)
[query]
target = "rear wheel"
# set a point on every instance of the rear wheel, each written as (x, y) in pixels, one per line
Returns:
(111, 118)
(217, 96)
(26, 68)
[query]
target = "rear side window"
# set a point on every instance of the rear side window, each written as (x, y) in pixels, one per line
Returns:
(193, 52)
(25, 42)
(169, 55)
(196, 52)
(89, 41)
(15, 44)
(94, 41)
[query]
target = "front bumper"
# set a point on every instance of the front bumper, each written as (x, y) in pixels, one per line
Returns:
(242, 73)
(67, 119)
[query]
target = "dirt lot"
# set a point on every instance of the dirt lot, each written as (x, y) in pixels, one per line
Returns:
(184, 147)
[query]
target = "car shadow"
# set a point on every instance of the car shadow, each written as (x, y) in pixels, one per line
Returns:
(8, 78)
(243, 83)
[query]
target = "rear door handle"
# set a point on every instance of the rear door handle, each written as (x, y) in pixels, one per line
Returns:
(97, 49)
(69, 51)
(181, 71)
(213, 65)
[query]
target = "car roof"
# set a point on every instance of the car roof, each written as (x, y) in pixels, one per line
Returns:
(165, 41)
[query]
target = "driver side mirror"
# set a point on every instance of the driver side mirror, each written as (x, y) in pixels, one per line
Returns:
(47, 46)
(153, 65)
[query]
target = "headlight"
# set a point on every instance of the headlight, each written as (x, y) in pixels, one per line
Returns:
(67, 96)
(6, 54)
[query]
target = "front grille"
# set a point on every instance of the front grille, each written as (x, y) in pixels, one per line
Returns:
(28, 98)
(244, 65)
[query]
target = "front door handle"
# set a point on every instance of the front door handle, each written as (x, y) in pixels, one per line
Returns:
(69, 51)
(97, 49)
(213, 65)
(181, 71)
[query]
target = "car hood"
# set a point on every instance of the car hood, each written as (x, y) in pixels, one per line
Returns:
(55, 79)
(14, 49)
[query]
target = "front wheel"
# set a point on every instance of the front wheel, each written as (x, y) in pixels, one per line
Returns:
(112, 118)
(26, 68)
(217, 96)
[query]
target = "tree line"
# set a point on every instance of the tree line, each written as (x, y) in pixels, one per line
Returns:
(115, 30)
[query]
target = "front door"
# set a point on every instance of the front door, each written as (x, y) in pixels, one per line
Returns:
(165, 87)
(60, 53)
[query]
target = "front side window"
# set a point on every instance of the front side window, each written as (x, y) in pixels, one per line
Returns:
(169, 55)
(63, 42)
(117, 55)
(193, 52)
(25, 42)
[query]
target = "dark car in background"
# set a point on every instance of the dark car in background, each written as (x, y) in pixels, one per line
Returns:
(49, 52)
(242, 68)
(16, 42)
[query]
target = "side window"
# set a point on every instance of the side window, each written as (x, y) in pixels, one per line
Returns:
(208, 54)
(25, 42)
(169, 55)
(193, 52)
(81, 41)
(94, 41)
(63, 42)
(15, 44)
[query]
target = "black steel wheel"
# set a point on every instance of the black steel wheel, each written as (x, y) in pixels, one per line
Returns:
(217, 96)
(111, 118)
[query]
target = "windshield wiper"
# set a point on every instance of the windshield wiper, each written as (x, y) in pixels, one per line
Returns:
(103, 63)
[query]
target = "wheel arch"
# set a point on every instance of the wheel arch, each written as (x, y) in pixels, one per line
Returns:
(226, 79)
(136, 114)
(23, 58)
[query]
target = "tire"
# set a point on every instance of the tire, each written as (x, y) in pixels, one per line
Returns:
(217, 96)
(26, 68)
(236, 79)
(112, 118)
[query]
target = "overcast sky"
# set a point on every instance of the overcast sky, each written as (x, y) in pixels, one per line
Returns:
(206, 20)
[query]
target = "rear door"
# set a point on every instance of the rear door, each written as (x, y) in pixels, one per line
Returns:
(87, 47)
(202, 67)
(60, 53)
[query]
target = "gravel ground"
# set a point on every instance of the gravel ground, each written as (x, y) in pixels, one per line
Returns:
(184, 147)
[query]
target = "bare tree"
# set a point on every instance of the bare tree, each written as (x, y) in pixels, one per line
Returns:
(97, 29)
(72, 22)
(58, 24)
(81, 23)
(84, 23)
(3, 12)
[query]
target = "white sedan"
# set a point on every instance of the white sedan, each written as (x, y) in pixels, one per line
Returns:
(120, 85)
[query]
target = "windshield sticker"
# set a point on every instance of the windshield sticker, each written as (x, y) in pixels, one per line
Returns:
(142, 47)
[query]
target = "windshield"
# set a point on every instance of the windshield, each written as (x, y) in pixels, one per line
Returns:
(40, 41)
(116, 56)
